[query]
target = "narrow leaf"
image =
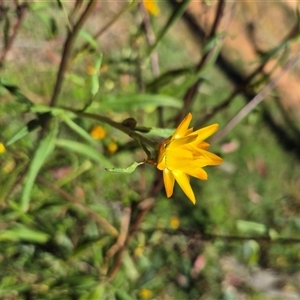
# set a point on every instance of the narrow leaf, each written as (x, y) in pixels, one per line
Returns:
(162, 132)
(76, 128)
(136, 101)
(248, 227)
(89, 38)
(11, 180)
(20, 134)
(15, 91)
(95, 76)
(83, 149)
(177, 13)
(21, 233)
(46, 146)
(127, 170)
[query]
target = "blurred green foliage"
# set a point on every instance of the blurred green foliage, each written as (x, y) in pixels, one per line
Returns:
(70, 229)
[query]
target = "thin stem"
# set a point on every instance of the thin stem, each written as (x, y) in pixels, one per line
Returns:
(119, 126)
(21, 10)
(72, 35)
(86, 46)
(255, 101)
(231, 238)
(120, 245)
(192, 90)
(153, 56)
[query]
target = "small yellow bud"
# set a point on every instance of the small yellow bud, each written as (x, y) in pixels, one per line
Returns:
(2, 148)
(98, 132)
(174, 222)
(152, 7)
(145, 294)
(112, 147)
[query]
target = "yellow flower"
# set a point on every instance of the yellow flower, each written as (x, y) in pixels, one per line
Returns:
(145, 293)
(151, 7)
(184, 154)
(98, 132)
(174, 222)
(112, 147)
(2, 148)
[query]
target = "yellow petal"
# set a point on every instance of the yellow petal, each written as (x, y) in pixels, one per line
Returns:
(179, 159)
(169, 181)
(183, 159)
(161, 157)
(214, 159)
(182, 141)
(184, 182)
(203, 145)
(198, 173)
(205, 132)
(161, 165)
(183, 127)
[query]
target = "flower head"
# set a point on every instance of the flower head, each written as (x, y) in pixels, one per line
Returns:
(184, 154)
(151, 7)
(98, 132)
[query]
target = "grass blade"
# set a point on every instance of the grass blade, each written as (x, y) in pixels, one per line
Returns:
(177, 13)
(46, 146)
(83, 149)
(137, 101)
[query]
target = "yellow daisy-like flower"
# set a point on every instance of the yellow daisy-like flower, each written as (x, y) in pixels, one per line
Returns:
(184, 154)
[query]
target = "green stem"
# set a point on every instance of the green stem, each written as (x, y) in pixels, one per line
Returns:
(136, 136)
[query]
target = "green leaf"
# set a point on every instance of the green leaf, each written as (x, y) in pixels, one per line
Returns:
(95, 76)
(177, 13)
(96, 293)
(21, 233)
(123, 295)
(137, 101)
(273, 234)
(251, 250)
(167, 78)
(83, 149)
(20, 134)
(76, 79)
(162, 132)
(212, 43)
(44, 149)
(76, 128)
(15, 91)
(44, 109)
(250, 227)
(89, 38)
(31, 126)
(11, 180)
(14, 288)
(127, 170)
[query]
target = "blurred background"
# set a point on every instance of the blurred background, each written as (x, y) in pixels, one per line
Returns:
(70, 229)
